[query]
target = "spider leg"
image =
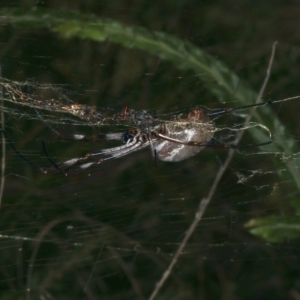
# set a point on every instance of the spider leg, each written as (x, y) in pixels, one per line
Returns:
(91, 138)
(117, 149)
(138, 146)
(112, 153)
(69, 163)
(82, 137)
(87, 165)
(209, 143)
(83, 166)
(188, 143)
(135, 147)
(231, 146)
(230, 110)
(155, 159)
(122, 150)
(64, 165)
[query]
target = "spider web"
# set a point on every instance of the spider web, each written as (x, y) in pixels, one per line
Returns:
(101, 218)
(111, 232)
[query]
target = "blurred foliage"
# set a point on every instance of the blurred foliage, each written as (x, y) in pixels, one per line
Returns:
(120, 225)
(275, 229)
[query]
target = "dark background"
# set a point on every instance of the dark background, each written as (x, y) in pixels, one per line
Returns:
(110, 232)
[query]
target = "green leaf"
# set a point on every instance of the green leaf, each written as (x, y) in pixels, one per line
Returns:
(275, 229)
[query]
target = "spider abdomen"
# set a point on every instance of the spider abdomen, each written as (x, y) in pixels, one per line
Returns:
(174, 139)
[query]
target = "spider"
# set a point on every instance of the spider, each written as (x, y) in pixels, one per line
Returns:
(171, 141)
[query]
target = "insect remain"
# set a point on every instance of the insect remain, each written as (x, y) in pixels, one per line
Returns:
(171, 141)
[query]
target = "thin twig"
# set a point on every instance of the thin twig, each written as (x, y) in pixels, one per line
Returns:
(206, 200)
(3, 156)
